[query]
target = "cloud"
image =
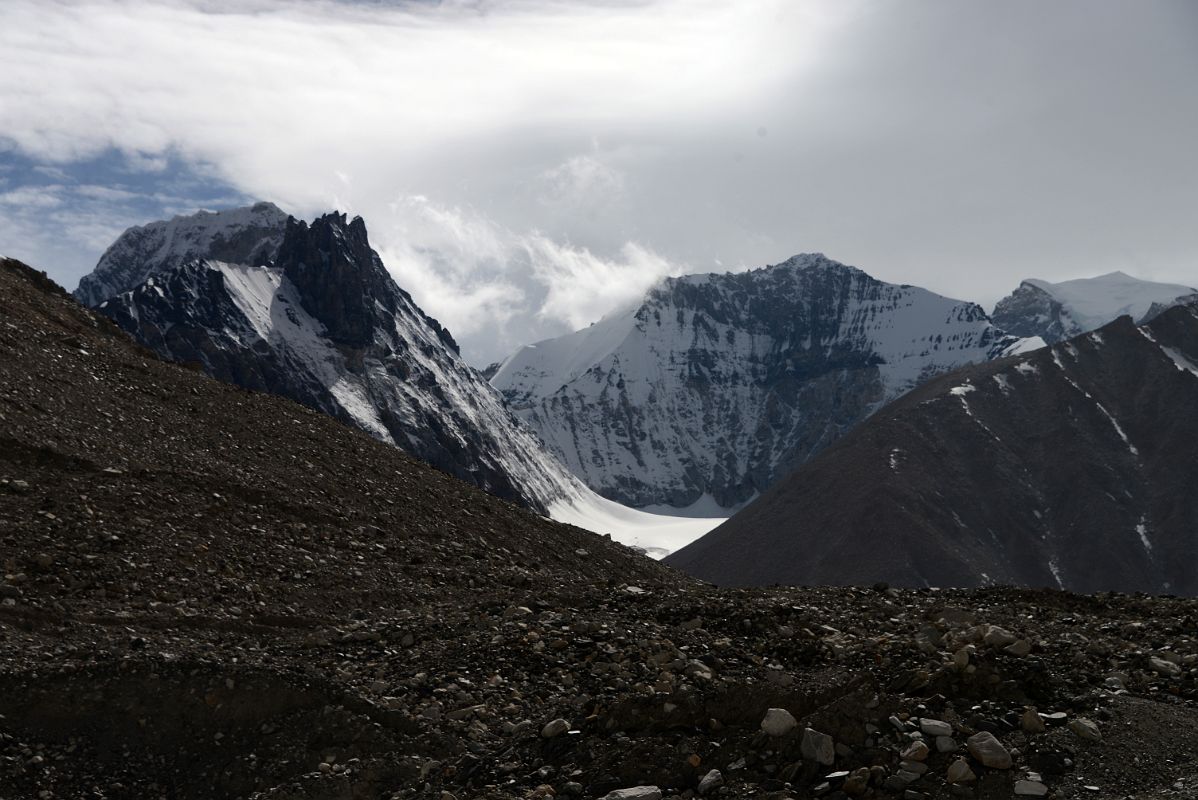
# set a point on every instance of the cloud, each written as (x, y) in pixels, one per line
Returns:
(578, 283)
(508, 288)
(504, 152)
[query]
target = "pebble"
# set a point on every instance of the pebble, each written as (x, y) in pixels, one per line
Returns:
(935, 727)
(712, 780)
(918, 751)
(1020, 647)
(1031, 722)
(1030, 789)
(959, 772)
(1086, 729)
(778, 722)
(998, 637)
(1163, 667)
(987, 749)
(635, 793)
(818, 747)
(554, 728)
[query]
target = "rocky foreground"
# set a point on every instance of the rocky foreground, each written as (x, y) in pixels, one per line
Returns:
(210, 593)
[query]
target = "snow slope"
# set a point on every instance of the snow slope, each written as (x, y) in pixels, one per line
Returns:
(717, 384)
(1057, 311)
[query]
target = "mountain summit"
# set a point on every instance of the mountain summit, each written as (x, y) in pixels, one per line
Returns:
(1058, 311)
(319, 319)
(714, 386)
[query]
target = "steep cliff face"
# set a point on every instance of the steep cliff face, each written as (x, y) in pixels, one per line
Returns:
(325, 325)
(240, 236)
(717, 385)
(1058, 311)
(1071, 467)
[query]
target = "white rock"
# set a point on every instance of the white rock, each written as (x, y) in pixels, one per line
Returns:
(998, 637)
(935, 727)
(818, 747)
(1163, 667)
(554, 728)
(959, 772)
(1086, 729)
(635, 793)
(778, 722)
(1030, 789)
(987, 749)
(710, 781)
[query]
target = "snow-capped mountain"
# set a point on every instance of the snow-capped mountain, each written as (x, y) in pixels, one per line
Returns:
(325, 325)
(714, 386)
(239, 236)
(1058, 311)
(319, 320)
(1071, 467)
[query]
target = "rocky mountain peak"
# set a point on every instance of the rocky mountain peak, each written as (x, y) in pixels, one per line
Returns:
(340, 279)
(248, 235)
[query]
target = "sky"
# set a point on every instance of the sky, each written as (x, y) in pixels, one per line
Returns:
(525, 167)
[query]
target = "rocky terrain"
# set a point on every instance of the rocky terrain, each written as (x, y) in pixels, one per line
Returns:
(714, 386)
(215, 593)
(1059, 311)
(1071, 467)
(318, 319)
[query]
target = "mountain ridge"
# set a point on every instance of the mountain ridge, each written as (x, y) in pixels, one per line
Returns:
(714, 385)
(1084, 484)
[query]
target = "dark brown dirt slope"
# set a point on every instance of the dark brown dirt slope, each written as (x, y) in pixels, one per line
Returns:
(208, 593)
(1072, 467)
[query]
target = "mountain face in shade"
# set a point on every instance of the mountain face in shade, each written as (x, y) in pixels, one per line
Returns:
(717, 385)
(1058, 311)
(240, 236)
(1073, 466)
(321, 321)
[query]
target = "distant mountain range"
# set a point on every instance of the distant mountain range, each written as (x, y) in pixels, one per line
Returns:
(694, 401)
(1072, 466)
(1057, 311)
(714, 386)
(309, 312)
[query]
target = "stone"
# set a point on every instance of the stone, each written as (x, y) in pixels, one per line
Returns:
(1030, 789)
(935, 727)
(918, 751)
(857, 782)
(1086, 729)
(635, 793)
(998, 637)
(554, 728)
(959, 772)
(712, 780)
(1162, 667)
(778, 722)
(1031, 722)
(1020, 647)
(946, 744)
(988, 750)
(818, 747)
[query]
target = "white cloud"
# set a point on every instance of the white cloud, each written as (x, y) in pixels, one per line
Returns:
(496, 289)
(961, 146)
(582, 286)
